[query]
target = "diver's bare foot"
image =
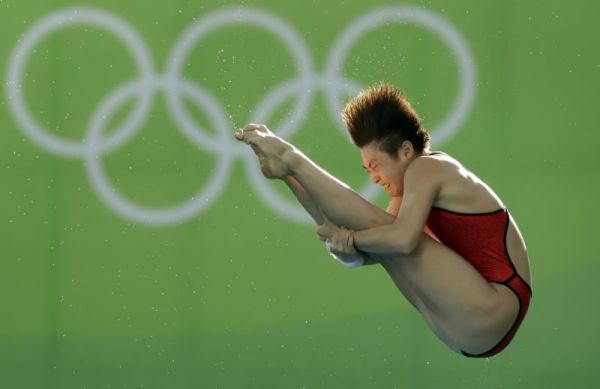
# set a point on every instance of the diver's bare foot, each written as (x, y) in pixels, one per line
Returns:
(272, 151)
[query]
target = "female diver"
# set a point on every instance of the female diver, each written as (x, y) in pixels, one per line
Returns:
(446, 240)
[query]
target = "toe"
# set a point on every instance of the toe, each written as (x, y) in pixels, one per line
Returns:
(239, 135)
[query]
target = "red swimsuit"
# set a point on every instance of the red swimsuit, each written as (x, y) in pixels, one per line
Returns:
(481, 239)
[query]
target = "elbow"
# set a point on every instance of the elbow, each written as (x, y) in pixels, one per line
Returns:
(407, 246)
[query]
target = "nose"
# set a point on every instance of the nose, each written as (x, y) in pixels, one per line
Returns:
(375, 178)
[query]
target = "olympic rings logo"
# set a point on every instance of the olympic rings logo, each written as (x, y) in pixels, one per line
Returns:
(175, 87)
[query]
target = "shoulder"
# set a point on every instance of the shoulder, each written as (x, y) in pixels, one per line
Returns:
(430, 165)
(437, 162)
(432, 170)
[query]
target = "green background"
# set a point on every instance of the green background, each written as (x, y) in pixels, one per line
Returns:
(239, 296)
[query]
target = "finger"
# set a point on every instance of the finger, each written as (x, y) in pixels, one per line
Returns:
(323, 229)
(348, 240)
(338, 243)
(319, 230)
(342, 240)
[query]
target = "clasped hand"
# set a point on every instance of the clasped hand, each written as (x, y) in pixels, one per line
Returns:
(340, 241)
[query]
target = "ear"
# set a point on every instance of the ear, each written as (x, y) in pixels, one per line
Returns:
(406, 150)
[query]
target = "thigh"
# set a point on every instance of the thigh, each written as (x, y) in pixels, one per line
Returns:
(465, 310)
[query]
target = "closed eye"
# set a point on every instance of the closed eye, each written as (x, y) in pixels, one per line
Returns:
(372, 165)
(370, 169)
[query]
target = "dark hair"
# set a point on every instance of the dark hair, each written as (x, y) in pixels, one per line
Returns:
(382, 114)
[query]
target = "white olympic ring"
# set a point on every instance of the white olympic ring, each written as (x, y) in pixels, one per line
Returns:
(175, 86)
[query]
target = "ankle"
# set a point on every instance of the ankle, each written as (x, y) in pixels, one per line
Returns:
(292, 158)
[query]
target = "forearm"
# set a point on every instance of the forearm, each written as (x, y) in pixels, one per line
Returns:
(382, 240)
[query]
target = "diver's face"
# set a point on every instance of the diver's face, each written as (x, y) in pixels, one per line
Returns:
(385, 170)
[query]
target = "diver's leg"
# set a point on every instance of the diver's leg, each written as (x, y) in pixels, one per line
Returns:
(462, 308)
(342, 205)
(305, 200)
